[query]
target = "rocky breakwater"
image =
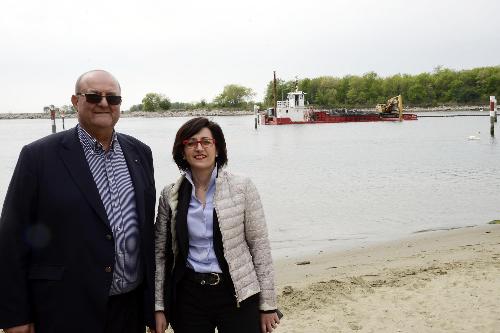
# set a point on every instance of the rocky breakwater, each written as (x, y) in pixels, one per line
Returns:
(186, 113)
(24, 116)
(137, 114)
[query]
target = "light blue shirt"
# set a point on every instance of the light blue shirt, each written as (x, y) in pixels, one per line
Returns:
(200, 225)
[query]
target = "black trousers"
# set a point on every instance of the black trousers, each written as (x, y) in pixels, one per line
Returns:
(202, 308)
(125, 313)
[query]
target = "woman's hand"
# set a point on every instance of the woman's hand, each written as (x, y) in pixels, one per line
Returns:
(161, 322)
(268, 322)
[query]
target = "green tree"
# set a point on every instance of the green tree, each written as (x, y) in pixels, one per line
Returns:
(356, 95)
(326, 93)
(164, 103)
(202, 104)
(282, 90)
(442, 86)
(137, 107)
(155, 102)
(234, 95)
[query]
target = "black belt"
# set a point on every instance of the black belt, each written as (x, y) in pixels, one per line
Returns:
(204, 279)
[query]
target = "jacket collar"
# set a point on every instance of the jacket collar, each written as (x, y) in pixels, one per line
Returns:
(72, 154)
(73, 157)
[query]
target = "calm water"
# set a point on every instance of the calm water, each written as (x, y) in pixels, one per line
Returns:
(335, 186)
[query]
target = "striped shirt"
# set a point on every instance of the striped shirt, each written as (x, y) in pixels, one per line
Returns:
(112, 178)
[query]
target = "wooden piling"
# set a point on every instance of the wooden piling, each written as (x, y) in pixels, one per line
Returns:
(53, 118)
(495, 109)
(255, 114)
(493, 115)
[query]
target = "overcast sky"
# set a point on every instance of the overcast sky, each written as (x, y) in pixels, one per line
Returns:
(189, 50)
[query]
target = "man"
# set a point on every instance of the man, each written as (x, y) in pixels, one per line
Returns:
(76, 230)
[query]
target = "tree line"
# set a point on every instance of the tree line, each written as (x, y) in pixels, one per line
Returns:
(443, 86)
(233, 96)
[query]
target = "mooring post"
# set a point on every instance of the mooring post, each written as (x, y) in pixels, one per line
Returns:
(495, 108)
(493, 115)
(53, 118)
(255, 114)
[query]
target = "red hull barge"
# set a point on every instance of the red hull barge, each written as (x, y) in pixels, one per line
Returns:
(294, 111)
(322, 117)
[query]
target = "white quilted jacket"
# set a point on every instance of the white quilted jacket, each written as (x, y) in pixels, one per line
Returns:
(244, 238)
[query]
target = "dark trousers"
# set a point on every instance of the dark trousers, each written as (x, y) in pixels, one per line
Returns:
(202, 308)
(125, 314)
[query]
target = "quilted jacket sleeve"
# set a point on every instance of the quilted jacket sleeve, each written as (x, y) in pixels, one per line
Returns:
(258, 242)
(161, 228)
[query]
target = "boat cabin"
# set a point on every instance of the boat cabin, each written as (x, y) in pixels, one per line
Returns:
(293, 107)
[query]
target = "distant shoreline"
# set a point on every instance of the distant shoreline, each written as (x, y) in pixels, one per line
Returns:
(135, 114)
(211, 113)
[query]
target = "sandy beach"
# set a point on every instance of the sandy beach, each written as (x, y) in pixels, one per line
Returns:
(435, 281)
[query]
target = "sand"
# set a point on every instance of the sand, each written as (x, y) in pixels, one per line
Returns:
(436, 281)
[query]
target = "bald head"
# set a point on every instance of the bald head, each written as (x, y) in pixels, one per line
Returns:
(82, 78)
(97, 110)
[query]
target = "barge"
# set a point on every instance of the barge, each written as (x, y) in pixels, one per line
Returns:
(294, 111)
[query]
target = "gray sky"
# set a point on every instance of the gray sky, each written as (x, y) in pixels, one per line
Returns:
(189, 50)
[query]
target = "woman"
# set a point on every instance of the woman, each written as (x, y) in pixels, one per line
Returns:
(213, 259)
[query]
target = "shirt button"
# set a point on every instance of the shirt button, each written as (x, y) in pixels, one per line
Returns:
(109, 237)
(107, 269)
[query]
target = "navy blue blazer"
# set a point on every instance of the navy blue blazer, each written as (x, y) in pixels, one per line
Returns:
(56, 243)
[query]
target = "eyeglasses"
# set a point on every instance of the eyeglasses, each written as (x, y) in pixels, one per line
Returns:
(193, 143)
(94, 98)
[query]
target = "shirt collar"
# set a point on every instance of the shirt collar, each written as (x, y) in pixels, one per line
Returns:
(92, 144)
(211, 183)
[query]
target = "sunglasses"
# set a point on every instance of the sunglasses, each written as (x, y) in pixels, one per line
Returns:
(94, 98)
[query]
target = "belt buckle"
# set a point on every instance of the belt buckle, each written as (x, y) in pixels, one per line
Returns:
(217, 281)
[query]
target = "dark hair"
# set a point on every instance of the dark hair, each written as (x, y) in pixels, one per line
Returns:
(190, 128)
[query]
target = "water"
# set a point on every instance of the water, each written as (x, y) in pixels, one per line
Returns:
(334, 186)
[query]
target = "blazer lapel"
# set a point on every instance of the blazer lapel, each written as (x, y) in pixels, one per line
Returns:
(218, 245)
(136, 173)
(72, 154)
(182, 211)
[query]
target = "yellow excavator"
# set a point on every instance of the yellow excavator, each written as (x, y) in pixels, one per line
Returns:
(393, 107)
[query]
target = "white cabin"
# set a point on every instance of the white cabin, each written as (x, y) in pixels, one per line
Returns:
(293, 107)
